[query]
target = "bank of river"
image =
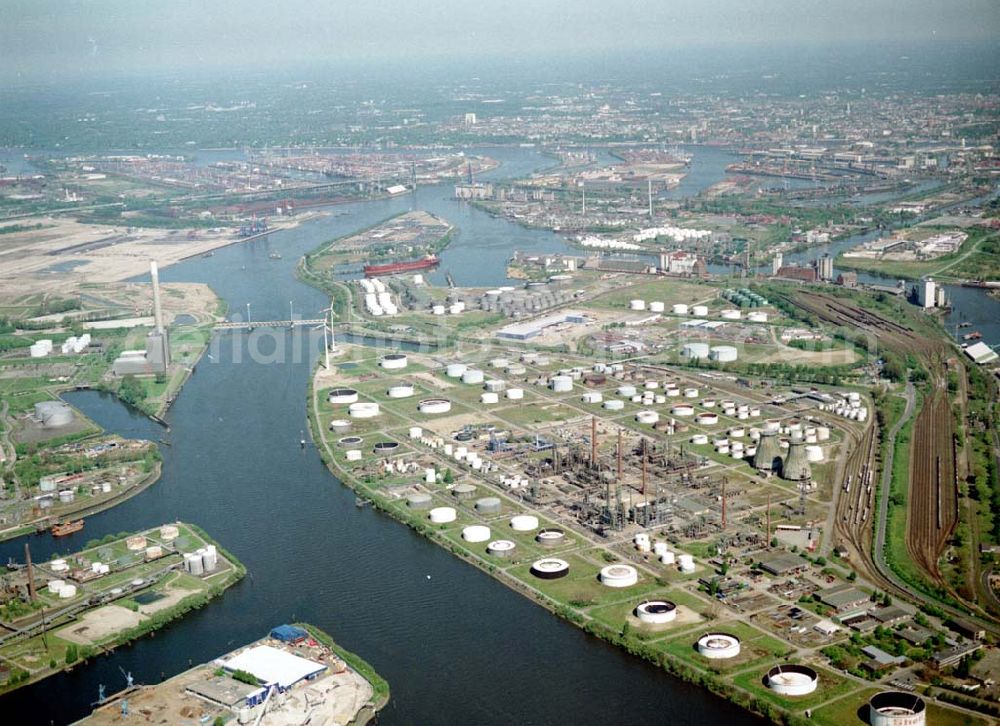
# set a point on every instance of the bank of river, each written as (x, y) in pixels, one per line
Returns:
(457, 647)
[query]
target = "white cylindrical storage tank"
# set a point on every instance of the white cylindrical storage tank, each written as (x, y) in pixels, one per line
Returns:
(659, 548)
(193, 564)
(647, 417)
(489, 505)
(353, 454)
(699, 311)
(814, 454)
(561, 384)
(363, 409)
(476, 533)
(614, 405)
(342, 396)
(59, 565)
(393, 361)
(550, 538)
(67, 592)
(456, 370)
(495, 385)
(472, 375)
(169, 532)
(437, 309)
(792, 679)
(501, 548)
(730, 314)
(626, 391)
(489, 397)
(682, 409)
(56, 585)
(718, 646)
(708, 403)
(619, 576)
(651, 385)
(210, 558)
(695, 350)
(822, 433)
(340, 426)
(430, 476)
(416, 432)
(699, 439)
(499, 363)
(723, 353)
(668, 558)
(680, 309)
(707, 419)
(456, 308)
(897, 708)
(690, 393)
(686, 563)
(434, 406)
(637, 304)
(524, 522)
(592, 397)
(442, 515)
(656, 612)
(737, 433)
(402, 390)
(757, 317)
(656, 307)
(754, 412)
(515, 394)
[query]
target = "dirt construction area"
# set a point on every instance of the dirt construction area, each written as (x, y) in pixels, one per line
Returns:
(100, 624)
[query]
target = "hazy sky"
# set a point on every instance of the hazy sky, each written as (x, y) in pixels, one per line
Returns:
(45, 38)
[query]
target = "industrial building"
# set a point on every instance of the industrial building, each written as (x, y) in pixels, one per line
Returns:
(533, 328)
(155, 359)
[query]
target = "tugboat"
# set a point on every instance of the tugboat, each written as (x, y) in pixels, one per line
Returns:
(66, 528)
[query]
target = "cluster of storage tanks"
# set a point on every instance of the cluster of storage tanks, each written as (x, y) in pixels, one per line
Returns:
(662, 551)
(73, 344)
(201, 561)
(62, 589)
(850, 406)
(656, 306)
(743, 298)
(718, 353)
(378, 300)
(40, 348)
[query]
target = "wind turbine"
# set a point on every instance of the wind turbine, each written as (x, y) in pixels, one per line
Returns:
(331, 342)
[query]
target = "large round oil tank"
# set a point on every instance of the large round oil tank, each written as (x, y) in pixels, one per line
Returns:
(488, 505)
(550, 538)
(419, 500)
(464, 491)
(699, 311)
(656, 612)
(814, 454)
(472, 375)
(730, 314)
(592, 397)
(434, 405)
(401, 390)
(723, 353)
(67, 592)
(614, 404)
(515, 394)
(549, 568)
(792, 679)
(169, 532)
(56, 585)
(897, 708)
(695, 351)
(476, 533)
(442, 515)
(656, 307)
(719, 646)
(561, 384)
(363, 409)
(394, 361)
(619, 576)
(501, 548)
(524, 522)
(342, 396)
(637, 304)
(53, 414)
(456, 370)
(679, 309)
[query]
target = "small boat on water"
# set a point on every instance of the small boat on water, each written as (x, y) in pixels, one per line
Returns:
(973, 336)
(63, 529)
(274, 256)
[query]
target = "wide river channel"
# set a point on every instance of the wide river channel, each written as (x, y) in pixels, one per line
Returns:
(456, 646)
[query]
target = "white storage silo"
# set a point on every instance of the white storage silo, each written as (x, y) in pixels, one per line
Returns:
(695, 350)
(680, 309)
(561, 384)
(515, 394)
(472, 375)
(592, 397)
(456, 370)
(476, 533)
(686, 563)
(524, 522)
(656, 307)
(614, 405)
(488, 397)
(699, 311)
(637, 304)
(442, 515)
(723, 353)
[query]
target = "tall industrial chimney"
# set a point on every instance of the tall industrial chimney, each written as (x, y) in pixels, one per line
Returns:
(157, 310)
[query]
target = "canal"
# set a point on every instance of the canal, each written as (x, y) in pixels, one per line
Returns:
(455, 645)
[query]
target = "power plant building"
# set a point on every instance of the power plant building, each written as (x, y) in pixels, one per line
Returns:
(155, 359)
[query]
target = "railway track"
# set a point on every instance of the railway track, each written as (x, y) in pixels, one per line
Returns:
(932, 511)
(856, 499)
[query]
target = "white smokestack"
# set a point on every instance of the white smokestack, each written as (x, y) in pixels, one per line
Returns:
(157, 311)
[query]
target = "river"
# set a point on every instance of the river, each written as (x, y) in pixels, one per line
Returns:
(455, 645)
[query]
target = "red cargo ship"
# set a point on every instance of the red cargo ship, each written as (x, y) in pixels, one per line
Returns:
(397, 268)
